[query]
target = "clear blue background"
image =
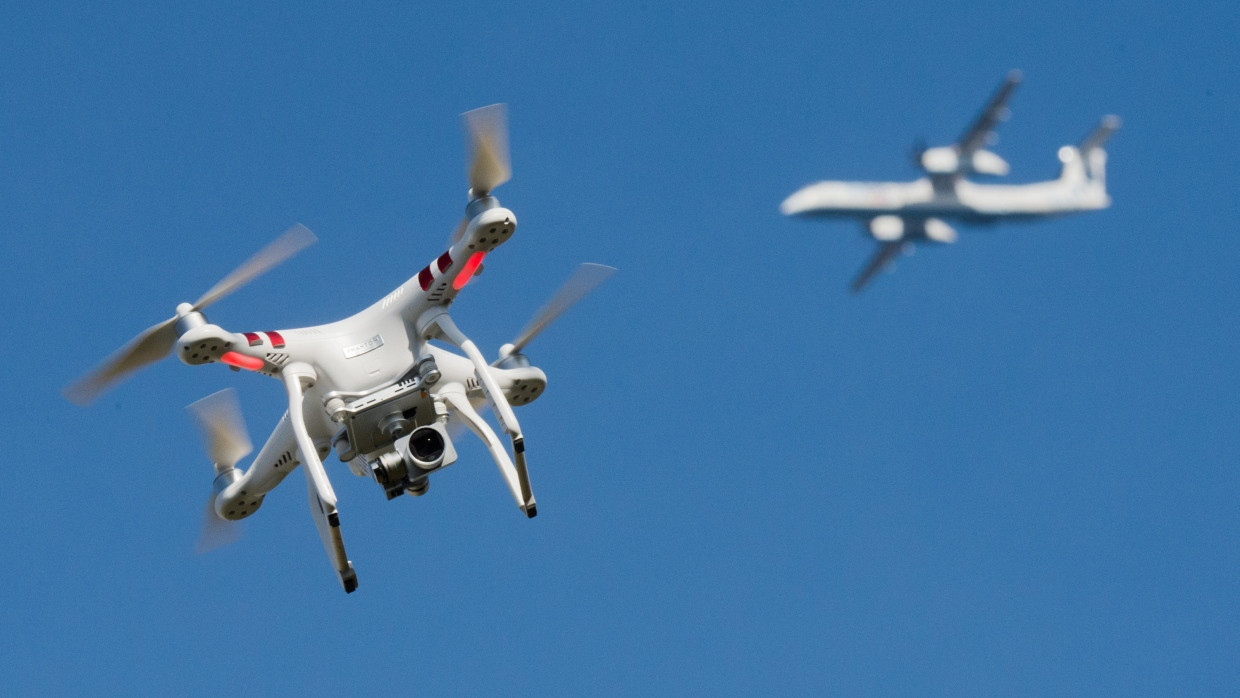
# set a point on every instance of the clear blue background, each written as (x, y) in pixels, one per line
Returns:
(1007, 468)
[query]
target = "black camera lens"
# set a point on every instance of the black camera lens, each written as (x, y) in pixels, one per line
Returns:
(426, 445)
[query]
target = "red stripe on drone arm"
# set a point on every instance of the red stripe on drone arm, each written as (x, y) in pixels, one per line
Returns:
(425, 277)
(444, 261)
(249, 363)
(467, 273)
(277, 339)
(253, 338)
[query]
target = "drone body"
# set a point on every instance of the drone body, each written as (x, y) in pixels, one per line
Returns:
(371, 386)
(900, 214)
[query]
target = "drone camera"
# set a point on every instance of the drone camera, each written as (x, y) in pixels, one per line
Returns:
(428, 448)
(389, 469)
(404, 469)
(418, 487)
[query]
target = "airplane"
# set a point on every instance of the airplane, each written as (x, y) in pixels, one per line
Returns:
(372, 387)
(899, 215)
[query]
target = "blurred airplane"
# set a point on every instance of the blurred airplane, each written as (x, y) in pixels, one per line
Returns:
(900, 214)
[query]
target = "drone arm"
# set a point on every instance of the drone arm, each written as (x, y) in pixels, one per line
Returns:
(273, 463)
(454, 396)
(319, 489)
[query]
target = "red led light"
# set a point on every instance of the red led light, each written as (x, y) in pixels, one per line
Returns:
(249, 363)
(467, 273)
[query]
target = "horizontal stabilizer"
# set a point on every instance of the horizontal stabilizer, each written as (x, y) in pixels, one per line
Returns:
(938, 231)
(1109, 125)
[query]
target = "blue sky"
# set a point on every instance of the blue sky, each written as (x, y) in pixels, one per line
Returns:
(1007, 468)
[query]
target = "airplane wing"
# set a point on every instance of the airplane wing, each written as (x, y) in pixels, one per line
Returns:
(886, 252)
(995, 112)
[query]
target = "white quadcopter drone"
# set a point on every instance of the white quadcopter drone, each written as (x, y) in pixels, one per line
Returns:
(370, 386)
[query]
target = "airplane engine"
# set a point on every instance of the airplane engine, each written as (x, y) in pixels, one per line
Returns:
(941, 160)
(987, 163)
(946, 160)
(938, 231)
(887, 228)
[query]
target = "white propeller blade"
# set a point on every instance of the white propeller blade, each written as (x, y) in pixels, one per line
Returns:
(490, 165)
(585, 279)
(215, 532)
(152, 345)
(292, 241)
(218, 417)
(157, 341)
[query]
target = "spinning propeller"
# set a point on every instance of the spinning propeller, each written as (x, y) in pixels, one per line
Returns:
(158, 340)
(490, 167)
(490, 164)
(218, 417)
(584, 280)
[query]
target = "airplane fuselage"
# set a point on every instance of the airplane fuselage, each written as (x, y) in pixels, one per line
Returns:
(961, 200)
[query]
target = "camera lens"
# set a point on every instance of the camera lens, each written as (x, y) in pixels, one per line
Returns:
(426, 445)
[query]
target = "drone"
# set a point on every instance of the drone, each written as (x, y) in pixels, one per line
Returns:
(371, 387)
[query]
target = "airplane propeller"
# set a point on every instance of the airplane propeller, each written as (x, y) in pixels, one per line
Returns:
(584, 280)
(218, 417)
(157, 341)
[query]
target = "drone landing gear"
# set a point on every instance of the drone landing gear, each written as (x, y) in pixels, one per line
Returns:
(318, 488)
(530, 507)
(327, 520)
(515, 476)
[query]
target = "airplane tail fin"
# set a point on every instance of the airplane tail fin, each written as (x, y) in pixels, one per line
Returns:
(1092, 152)
(1088, 161)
